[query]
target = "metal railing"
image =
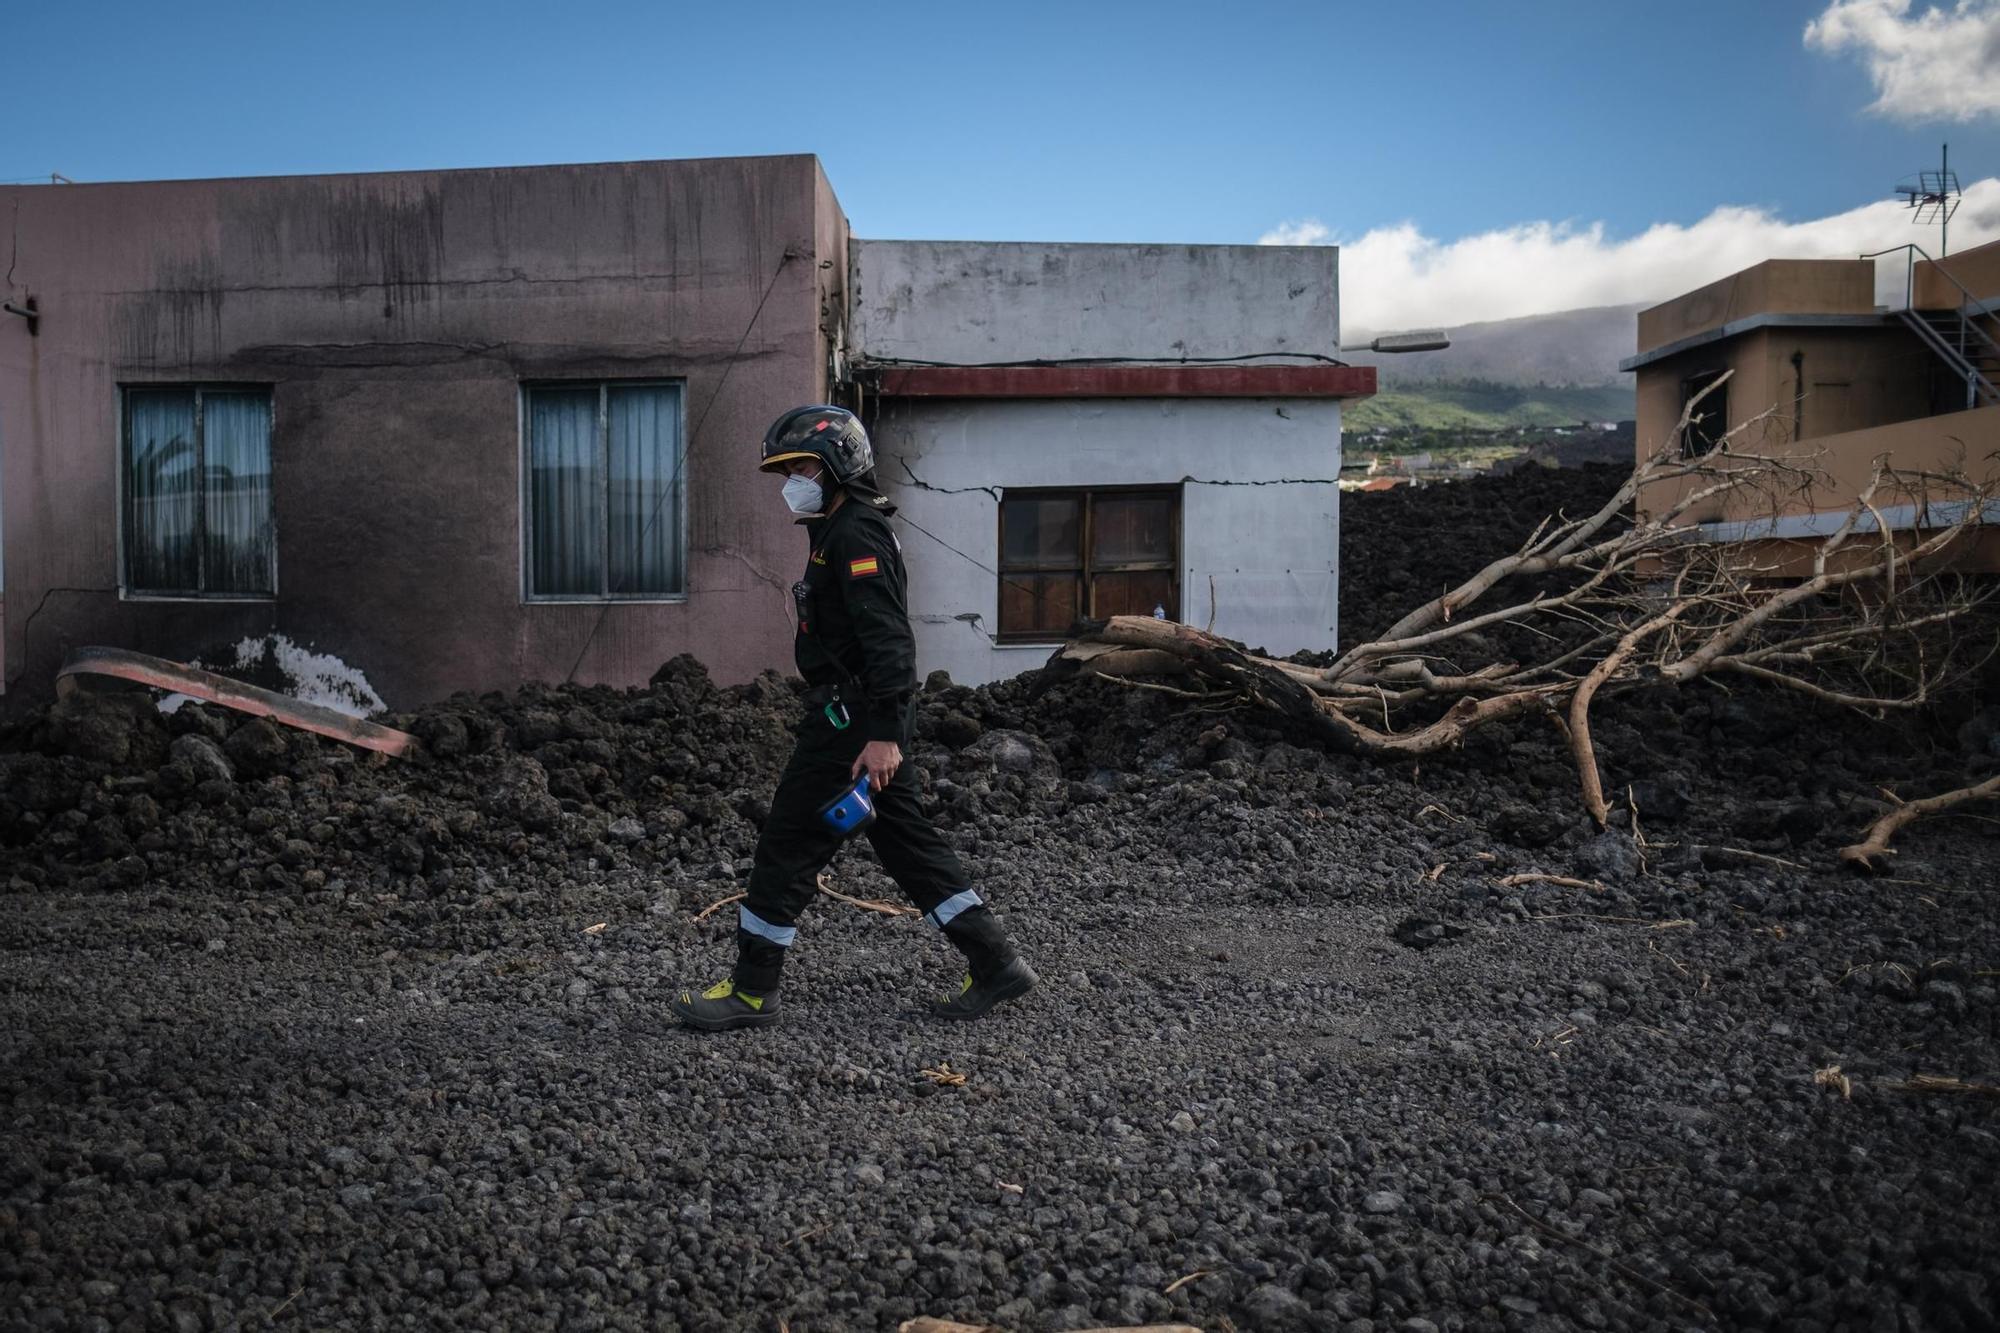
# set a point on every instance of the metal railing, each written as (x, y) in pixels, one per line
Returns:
(1969, 350)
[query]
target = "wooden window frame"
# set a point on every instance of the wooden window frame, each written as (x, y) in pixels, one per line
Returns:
(1086, 541)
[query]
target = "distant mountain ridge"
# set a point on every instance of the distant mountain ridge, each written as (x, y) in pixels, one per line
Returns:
(1569, 348)
(1538, 370)
(1486, 405)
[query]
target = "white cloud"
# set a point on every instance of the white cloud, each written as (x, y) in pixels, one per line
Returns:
(1942, 64)
(1309, 232)
(1398, 278)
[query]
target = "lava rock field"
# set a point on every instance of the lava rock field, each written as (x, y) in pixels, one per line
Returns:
(298, 1037)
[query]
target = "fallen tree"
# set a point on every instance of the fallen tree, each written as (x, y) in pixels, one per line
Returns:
(1862, 616)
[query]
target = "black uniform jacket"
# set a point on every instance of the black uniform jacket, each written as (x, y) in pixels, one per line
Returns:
(854, 621)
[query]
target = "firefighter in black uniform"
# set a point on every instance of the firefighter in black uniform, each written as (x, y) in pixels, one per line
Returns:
(857, 654)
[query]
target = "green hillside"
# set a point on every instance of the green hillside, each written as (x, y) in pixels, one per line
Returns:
(1485, 405)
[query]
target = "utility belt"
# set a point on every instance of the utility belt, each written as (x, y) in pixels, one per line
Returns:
(840, 704)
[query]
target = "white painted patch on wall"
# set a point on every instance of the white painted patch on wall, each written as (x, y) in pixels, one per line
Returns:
(314, 678)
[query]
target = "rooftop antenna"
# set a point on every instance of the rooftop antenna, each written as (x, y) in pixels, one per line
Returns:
(1933, 196)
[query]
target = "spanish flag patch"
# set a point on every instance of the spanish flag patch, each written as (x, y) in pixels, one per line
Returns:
(862, 568)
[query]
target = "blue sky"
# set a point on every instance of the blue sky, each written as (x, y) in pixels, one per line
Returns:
(1078, 121)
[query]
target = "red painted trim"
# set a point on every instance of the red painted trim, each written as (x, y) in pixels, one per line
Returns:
(1175, 381)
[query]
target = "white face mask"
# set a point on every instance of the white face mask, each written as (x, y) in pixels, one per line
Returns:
(804, 496)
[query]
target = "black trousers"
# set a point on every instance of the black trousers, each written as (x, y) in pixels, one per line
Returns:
(795, 846)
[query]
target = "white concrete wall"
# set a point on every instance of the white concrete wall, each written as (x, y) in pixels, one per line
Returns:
(1260, 509)
(979, 302)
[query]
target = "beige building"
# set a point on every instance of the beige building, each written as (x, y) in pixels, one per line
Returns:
(1820, 373)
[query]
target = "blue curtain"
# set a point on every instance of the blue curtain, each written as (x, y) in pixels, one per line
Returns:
(236, 491)
(645, 497)
(162, 490)
(566, 513)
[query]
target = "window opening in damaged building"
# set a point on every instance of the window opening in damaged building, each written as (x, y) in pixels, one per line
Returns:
(1075, 553)
(1710, 421)
(606, 497)
(196, 483)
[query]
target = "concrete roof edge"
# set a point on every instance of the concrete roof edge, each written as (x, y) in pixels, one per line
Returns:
(1080, 245)
(1738, 274)
(1826, 522)
(420, 171)
(1750, 323)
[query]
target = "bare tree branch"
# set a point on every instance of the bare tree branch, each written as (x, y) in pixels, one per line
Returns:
(1876, 843)
(1651, 602)
(1579, 711)
(1790, 682)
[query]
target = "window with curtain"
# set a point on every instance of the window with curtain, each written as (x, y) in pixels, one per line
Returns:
(605, 494)
(1098, 553)
(197, 493)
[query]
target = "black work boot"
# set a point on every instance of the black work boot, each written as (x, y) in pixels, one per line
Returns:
(975, 997)
(722, 1007)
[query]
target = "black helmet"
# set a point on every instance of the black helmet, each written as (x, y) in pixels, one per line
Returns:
(833, 435)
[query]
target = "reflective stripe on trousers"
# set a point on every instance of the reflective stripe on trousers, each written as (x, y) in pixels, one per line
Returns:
(963, 901)
(749, 921)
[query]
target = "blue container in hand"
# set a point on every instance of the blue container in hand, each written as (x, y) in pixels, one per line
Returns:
(851, 811)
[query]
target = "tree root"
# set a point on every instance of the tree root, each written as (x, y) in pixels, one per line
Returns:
(1876, 844)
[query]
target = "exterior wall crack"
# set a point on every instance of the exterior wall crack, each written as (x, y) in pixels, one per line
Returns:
(923, 485)
(760, 574)
(972, 620)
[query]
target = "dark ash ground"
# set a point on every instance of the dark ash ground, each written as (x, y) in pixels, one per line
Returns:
(292, 1039)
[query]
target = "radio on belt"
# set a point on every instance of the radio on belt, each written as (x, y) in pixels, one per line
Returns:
(851, 811)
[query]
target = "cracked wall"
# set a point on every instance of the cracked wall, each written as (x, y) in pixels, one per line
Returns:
(1260, 500)
(1259, 494)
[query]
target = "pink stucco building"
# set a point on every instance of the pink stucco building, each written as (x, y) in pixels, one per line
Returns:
(459, 427)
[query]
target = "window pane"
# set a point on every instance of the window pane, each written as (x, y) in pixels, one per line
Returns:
(1041, 532)
(645, 490)
(1039, 603)
(566, 494)
(1133, 594)
(236, 457)
(162, 489)
(1132, 529)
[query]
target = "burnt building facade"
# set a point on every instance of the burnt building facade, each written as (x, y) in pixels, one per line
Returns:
(462, 429)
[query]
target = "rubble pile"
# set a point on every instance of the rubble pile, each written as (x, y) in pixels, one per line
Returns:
(292, 1033)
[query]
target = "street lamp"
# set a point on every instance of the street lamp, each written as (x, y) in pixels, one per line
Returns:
(1421, 340)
